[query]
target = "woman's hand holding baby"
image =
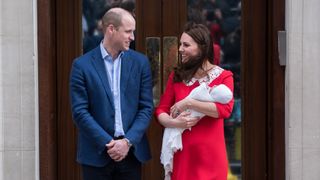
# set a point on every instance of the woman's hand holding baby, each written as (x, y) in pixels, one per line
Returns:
(179, 107)
(184, 120)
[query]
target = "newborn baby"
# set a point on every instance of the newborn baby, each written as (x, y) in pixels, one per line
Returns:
(172, 141)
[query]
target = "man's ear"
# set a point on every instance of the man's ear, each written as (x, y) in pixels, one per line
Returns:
(111, 28)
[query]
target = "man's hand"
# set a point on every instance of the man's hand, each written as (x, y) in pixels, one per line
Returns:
(118, 149)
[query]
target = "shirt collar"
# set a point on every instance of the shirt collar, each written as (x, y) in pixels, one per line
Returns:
(212, 75)
(104, 52)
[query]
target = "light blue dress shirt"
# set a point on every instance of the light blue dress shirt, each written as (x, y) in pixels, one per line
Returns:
(113, 68)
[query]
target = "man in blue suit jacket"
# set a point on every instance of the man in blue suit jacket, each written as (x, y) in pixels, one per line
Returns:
(112, 103)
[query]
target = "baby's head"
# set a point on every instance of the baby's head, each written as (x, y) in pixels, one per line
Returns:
(221, 93)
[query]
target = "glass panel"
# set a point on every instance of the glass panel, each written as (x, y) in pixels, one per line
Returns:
(223, 19)
(153, 53)
(92, 12)
(170, 56)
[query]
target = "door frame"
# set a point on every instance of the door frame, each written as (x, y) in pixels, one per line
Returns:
(47, 89)
(59, 42)
(263, 91)
(263, 138)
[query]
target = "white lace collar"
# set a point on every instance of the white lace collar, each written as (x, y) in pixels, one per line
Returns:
(212, 75)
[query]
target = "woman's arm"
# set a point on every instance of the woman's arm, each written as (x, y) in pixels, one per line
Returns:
(216, 110)
(183, 120)
(207, 108)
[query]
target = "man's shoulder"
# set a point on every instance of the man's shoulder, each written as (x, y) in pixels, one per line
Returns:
(135, 54)
(94, 53)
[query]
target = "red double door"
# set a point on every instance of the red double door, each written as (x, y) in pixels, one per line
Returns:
(262, 83)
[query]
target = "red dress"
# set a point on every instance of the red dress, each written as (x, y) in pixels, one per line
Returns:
(204, 155)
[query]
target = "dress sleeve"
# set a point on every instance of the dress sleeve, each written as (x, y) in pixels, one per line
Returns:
(225, 110)
(167, 98)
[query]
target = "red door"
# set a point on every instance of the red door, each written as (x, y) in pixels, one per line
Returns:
(262, 82)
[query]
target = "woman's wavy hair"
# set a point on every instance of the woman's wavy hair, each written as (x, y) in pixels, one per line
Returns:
(201, 35)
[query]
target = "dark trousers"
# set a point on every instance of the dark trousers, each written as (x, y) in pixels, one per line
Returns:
(127, 169)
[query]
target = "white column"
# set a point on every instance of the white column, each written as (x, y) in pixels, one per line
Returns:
(17, 90)
(303, 90)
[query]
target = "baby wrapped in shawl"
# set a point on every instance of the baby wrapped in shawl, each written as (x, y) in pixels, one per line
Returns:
(172, 136)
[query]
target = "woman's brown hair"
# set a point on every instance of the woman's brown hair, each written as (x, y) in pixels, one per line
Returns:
(201, 35)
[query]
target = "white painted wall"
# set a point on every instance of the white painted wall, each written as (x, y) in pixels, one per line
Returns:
(303, 90)
(17, 90)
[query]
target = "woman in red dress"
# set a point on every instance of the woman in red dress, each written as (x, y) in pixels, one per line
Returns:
(204, 155)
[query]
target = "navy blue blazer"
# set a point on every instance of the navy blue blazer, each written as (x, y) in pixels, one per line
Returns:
(93, 106)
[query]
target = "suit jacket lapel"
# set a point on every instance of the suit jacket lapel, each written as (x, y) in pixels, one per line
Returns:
(99, 65)
(126, 64)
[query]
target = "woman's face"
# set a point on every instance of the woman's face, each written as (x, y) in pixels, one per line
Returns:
(188, 47)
